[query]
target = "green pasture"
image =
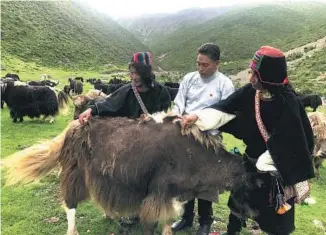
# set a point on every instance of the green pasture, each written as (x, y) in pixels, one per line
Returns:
(35, 209)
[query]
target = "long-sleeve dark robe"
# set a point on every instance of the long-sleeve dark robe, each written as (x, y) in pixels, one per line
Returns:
(291, 138)
(290, 145)
(123, 102)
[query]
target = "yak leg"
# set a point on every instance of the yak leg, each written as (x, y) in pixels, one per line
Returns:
(167, 229)
(44, 118)
(74, 190)
(157, 208)
(52, 119)
(13, 115)
(71, 218)
(149, 228)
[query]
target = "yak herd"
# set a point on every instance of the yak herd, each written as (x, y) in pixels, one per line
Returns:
(99, 160)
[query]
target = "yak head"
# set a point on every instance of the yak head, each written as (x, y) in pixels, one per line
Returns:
(81, 102)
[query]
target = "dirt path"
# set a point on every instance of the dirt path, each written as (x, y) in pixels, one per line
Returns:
(242, 77)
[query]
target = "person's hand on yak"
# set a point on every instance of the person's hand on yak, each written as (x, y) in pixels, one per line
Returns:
(188, 120)
(85, 116)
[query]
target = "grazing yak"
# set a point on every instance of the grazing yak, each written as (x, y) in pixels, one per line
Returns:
(91, 80)
(172, 84)
(313, 101)
(51, 83)
(318, 124)
(76, 86)
(116, 81)
(13, 76)
(80, 101)
(32, 101)
(107, 88)
(172, 91)
(131, 167)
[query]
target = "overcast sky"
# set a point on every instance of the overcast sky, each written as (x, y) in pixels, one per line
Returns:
(131, 8)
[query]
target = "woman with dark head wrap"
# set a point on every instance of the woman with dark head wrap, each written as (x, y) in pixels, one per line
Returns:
(142, 95)
(273, 124)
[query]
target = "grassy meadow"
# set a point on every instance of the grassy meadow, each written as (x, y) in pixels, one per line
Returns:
(35, 209)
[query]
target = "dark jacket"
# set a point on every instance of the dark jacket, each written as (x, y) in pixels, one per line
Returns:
(123, 102)
(291, 139)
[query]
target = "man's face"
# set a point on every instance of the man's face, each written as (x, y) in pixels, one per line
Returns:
(135, 77)
(256, 84)
(205, 66)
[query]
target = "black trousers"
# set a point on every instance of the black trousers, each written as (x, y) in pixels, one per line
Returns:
(205, 211)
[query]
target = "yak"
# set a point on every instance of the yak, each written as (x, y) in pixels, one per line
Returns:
(318, 124)
(51, 83)
(32, 101)
(80, 101)
(76, 86)
(15, 77)
(172, 84)
(130, 166)
(313, 101)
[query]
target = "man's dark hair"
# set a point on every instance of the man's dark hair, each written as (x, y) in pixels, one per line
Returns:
(144, 71)
(211, 50)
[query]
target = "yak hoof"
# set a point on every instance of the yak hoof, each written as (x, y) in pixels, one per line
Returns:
(167, 230)
(74, 232)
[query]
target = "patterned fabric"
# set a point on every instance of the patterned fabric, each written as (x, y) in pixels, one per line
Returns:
(142, 58)
(259, 121)
(140, 101)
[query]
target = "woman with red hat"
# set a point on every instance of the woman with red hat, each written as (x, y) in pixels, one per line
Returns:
(269, 118)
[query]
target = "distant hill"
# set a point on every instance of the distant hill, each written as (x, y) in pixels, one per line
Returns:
(240, 32)
(63, 34)
(150, 28)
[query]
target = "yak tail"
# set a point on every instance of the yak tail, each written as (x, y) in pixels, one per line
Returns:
(63, 101)
(36, 161)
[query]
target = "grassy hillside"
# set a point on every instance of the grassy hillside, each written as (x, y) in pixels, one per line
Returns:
(309, 76)
(63, 34)
(241, 32)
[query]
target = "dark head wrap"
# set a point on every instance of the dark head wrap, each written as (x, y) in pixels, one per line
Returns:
(270, 65)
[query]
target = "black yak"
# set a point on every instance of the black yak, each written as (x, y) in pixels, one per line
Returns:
(116, 81)
(313, 101)
(130, 167)
(173, 92)
(107, 88)
(172, 84)
(76, 86)
(32, 101)
(50, 83)
(15, 77)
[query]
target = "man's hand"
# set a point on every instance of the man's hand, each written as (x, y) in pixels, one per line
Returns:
(85, 116)
(188, 120)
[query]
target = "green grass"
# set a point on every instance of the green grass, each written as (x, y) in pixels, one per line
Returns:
(309, 76)
(26, 210)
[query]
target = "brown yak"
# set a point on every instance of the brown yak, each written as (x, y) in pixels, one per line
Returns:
(318, 124)
(80, 101)
(131, 167)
